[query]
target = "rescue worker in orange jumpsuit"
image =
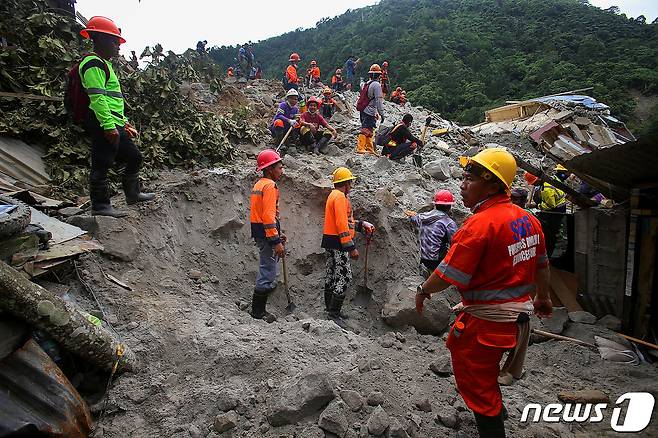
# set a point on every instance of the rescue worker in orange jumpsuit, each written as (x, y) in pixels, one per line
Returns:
(337, 239)
(266, 230)
(497, 260)
(290, 78)
(384, 80)
(313, 74)
(337, 81)
(395, 95)
(328, 104)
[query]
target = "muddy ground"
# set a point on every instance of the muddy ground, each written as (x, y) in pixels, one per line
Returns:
(208, 369)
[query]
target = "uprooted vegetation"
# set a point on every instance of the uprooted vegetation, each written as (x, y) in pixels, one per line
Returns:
(173, 131)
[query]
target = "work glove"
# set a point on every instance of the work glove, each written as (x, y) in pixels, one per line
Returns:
(368, 227)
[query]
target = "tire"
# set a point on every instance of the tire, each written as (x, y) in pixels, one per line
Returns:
(16, 221)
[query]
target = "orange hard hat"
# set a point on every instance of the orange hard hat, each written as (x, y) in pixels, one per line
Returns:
(326, 90)
(530, 178)
(294, 57)
(266, 158)
(385, 64)
(102, 25)
(375, 68)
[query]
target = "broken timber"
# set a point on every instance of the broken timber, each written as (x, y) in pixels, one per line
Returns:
(577, 198)
(48, 312)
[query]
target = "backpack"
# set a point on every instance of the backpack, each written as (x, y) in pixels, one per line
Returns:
(76, 100)
(363, 101)
(384, 135)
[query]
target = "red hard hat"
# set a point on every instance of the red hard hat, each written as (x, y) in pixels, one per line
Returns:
(314, 62)
(314, 99)
(375, 68)
(266, 158)
(444, 197)
(530, 178)
(338, 71)
(102, 25)
(294, 57)
(385, 64)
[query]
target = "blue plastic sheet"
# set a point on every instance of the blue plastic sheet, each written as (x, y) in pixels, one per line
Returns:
(578, 99)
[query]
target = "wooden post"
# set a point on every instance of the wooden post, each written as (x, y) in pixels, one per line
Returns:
(65, 324)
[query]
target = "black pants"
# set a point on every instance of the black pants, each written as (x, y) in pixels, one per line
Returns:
(280, 132)
(399, 151)
(104, 154)
(309, 138)
(551, 222)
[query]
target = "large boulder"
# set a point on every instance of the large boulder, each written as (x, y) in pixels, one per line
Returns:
(333, 419)
(303, 397)
(438, 169)
(400, 308)
(119, 238)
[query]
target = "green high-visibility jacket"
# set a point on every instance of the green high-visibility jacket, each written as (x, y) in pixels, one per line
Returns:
(105, 97)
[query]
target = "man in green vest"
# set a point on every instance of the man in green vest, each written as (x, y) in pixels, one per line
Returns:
(111, 134)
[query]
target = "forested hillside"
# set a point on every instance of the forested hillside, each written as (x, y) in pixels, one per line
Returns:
(461, 57)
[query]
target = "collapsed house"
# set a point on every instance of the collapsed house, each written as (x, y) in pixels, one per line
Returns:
(614, 250)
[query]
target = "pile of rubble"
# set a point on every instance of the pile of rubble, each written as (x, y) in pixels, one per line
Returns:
(173, 281)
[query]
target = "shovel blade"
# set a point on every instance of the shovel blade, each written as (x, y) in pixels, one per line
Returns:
(363, 296)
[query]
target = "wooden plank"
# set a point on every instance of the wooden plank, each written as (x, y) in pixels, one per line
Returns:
(565, 292)
(646, 270)
(29, 96)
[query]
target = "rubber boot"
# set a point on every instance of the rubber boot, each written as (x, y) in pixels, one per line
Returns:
(490, 427)
(334, 311)
(99, 192)
(131, 188)
(323, 144)
(361, 144)
(258, 304)
(370, 145)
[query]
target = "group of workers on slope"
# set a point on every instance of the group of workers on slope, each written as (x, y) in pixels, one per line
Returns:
(309, 128)
(245, 64)
(497, 260)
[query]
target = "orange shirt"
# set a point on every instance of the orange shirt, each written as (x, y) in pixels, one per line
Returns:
(315, 73)
(493, 257)
(264, 211)
(291, 74)
(339, 225)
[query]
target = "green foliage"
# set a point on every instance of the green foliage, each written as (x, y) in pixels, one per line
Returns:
(173, 132)
(461, 57)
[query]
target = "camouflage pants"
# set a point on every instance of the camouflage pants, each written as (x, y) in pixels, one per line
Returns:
(338, 272)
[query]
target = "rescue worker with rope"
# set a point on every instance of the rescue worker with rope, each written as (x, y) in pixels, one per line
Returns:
(497, 260)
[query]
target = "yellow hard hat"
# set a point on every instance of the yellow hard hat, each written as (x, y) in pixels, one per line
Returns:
(560, 167)
(342, 174)
(497, 161)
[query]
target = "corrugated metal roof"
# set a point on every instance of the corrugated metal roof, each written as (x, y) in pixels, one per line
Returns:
(624, 166)
(22, 162)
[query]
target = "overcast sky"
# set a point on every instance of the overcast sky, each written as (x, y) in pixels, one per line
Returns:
(179, 25)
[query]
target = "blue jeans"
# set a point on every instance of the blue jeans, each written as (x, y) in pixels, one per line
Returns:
(266, 278)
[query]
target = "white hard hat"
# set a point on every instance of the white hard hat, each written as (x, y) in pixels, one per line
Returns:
(292, 92)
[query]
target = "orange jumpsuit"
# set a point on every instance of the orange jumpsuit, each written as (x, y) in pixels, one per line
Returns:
(493, 259)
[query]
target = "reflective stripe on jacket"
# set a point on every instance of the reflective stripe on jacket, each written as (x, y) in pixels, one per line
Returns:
(339, 225)
(105, 97)
(264, 212)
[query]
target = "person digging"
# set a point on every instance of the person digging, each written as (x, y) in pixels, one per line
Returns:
(266, 230)
(315, 131)
(337, 239)
(111, 134)
(498, 261)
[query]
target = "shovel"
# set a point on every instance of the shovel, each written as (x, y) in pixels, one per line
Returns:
(363, 292)
(291, 306)
(285, 137)
(417, 157)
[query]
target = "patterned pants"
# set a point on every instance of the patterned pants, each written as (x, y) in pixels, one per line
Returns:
(338, 272)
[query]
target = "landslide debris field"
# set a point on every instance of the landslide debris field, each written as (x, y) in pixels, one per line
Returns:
(207, 369)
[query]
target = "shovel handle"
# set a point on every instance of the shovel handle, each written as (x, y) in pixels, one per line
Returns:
(563, 338)
(365, 269)
(285, 137)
